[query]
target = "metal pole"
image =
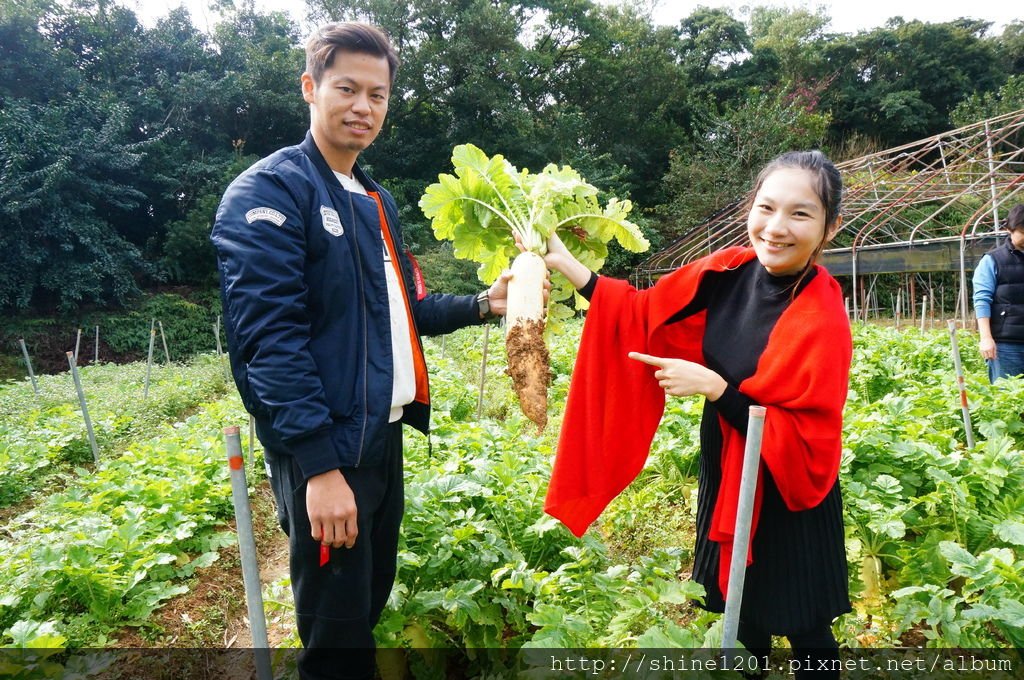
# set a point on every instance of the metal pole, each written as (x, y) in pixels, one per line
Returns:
(96, 357)
(899, 304)
(28, 364)
(78, 343)
(741, 534)
(252, 449)
(992, 179)
(163, 338)
(924, 311)
(247, 552)
(85, 410)
(963, 387)
(220, 350)
(962, 300)
(483, 374)
(149, 361)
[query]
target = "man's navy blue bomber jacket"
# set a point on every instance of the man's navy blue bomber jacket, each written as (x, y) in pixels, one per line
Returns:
(306, 309)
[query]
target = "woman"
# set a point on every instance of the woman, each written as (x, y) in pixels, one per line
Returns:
(759, 325)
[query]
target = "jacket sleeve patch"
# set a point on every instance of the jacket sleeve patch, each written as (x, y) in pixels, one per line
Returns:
(268, 214)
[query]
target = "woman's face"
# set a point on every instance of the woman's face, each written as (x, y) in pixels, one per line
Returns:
(787, 221)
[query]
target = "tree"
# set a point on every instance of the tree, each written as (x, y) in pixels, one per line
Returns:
(719, 167)
(900, 83)
(66, 172)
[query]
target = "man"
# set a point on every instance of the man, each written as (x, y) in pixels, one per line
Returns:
(999, 301)
(323, 320)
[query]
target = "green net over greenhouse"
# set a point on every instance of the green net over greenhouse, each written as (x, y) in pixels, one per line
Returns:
(933, 206)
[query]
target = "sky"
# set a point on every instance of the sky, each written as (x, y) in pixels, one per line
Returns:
(848, 16)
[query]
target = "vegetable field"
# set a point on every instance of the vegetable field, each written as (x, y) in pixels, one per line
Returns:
(935, 531)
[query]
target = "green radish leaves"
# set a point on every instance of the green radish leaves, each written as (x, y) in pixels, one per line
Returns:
(489, 200)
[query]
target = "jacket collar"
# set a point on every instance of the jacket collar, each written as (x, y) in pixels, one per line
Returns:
(310, 148)
(1008, 244)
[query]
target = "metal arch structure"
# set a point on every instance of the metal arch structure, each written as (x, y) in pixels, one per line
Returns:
(933, 205)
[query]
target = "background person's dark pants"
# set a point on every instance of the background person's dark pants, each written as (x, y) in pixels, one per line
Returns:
(338, 605)
(809, 648)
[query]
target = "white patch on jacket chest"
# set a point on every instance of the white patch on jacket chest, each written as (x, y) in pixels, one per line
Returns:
(332, 222)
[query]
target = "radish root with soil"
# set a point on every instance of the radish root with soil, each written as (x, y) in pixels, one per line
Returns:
(485, 207)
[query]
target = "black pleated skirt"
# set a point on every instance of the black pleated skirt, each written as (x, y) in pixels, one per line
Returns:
(798, 580)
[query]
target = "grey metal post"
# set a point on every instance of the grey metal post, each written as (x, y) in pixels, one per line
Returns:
(78, 343)
(85, 410)
(163, 338)
(247, 551)
(741, 535)
(96, 357)
(963, 387)
(924, 311)
(483, 374)
(28, 364)
(220, 350)
(149, 361)
(252, 449)
(992, 178)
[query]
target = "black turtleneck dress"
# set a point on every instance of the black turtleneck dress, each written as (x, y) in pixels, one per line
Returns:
(798, 581)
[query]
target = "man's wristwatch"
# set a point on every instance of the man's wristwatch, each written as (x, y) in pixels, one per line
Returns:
(483, 303)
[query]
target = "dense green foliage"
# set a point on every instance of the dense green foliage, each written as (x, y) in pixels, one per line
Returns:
(118, 540)
(112, 170)
(935, 530)
(42, 434)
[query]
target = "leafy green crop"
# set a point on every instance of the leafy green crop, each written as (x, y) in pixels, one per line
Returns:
(39, 433)
(488, 200)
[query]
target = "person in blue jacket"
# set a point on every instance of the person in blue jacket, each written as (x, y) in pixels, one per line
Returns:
(323, 317)
(999, 301)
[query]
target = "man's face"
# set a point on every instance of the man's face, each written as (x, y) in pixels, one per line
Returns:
(348, 106)
(1017, 238)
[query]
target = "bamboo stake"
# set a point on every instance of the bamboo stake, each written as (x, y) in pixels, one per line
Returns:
(962, 385)
(28, 364)
(149, 361)
(247, 552)
(96, 357)
(741, 534)
(483, 374)
(163, 338)
(924, 307)
(85, 409)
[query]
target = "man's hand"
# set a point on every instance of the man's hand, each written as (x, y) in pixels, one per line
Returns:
(332, 509)
(682, 378)
(987, 346)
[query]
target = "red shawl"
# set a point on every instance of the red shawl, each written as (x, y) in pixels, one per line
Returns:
(615, 405)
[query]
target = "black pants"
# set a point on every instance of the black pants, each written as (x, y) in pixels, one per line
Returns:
(337, 605)
(809, 649)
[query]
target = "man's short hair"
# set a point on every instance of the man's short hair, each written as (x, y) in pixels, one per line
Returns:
(347, 36)
(1015, 220)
